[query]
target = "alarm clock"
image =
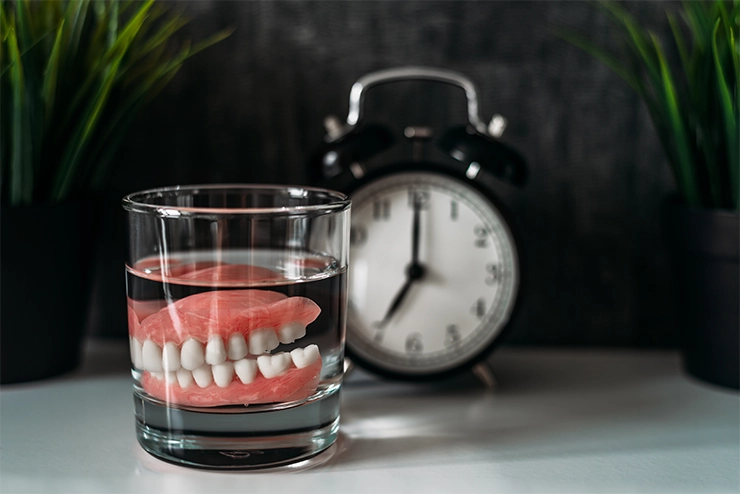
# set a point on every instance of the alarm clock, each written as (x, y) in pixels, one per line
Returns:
(435, 273)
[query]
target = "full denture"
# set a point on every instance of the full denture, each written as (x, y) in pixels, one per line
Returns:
(209, 349)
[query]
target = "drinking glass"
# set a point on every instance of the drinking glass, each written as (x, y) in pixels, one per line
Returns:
(236, 312)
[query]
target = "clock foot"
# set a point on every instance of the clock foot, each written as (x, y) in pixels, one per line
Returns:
(485, 375)
(348, 366)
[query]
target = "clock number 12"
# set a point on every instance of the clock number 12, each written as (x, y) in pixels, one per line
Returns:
(420, 198)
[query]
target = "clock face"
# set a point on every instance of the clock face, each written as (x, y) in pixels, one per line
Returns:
(442, 310)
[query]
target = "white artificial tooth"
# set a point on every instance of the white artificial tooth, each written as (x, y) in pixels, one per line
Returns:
(215, 350)
(184, 377)
(191, 355)
(262, 340)
(237, 347)
(136, 356)
(203, 376)
(158, 375)
(291, 332)
(303, 357)
(170, 357)
(151, 355)
(273, 365)
(223, 374)
(170, 377)
(246, 370)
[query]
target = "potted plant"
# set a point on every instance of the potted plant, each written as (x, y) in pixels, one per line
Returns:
(695, 109)
(73, 75)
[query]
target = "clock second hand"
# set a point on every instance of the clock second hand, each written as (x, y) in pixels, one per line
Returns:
(414, 272)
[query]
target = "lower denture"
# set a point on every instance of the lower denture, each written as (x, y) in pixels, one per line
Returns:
(293, 384)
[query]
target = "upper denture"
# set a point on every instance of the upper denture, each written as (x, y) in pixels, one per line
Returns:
(224, 313)
(228, 273)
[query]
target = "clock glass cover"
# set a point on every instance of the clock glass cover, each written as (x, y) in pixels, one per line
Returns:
(433, 273)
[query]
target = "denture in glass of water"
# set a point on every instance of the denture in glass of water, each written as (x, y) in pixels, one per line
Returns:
(212, 349)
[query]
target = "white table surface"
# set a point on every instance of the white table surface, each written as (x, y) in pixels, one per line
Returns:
(561, 421)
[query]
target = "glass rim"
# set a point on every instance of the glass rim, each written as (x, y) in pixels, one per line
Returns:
(133, 202)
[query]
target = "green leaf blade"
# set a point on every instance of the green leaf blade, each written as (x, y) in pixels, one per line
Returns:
(683, 155)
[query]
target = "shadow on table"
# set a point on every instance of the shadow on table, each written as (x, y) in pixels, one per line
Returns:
(606, 404)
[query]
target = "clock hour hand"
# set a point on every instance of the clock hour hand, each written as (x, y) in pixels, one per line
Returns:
(396, 303)
(413, 274)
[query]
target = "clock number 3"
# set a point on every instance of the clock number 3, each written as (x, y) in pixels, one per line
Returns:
(413, 343)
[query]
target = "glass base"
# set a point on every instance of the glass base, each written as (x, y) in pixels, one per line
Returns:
(243, 453)
(237, 441)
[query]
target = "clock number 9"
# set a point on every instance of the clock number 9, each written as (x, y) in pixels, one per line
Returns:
(357, 235)
(493, 274)
(413, 343)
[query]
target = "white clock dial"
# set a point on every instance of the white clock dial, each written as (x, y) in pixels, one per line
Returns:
(466, 293)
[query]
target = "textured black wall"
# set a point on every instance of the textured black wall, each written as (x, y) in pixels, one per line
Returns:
(251, 108)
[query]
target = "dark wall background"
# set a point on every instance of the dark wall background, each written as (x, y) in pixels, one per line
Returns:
(250, 109)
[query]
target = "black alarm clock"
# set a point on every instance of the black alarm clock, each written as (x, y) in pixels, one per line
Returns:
(435, 272)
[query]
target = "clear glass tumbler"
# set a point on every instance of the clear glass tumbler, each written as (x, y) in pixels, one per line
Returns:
(236, 305)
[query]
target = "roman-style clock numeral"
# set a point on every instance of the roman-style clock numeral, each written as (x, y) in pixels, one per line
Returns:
(493, 274)
(357, 235)
(382, 209)
(413, 343)
(453, 210)
(481, 236)
(479, 308)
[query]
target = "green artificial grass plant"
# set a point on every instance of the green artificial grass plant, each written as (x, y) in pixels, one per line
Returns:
(73, 74)
(695, 107)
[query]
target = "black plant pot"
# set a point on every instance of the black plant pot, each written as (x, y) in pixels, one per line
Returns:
(705, 251)
(45, 259)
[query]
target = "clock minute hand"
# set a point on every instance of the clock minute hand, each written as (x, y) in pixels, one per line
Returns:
(415, 232)
(415, 271)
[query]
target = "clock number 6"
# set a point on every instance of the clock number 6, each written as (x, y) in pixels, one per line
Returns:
(493, 274)
(452, 336)
(413, 343)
